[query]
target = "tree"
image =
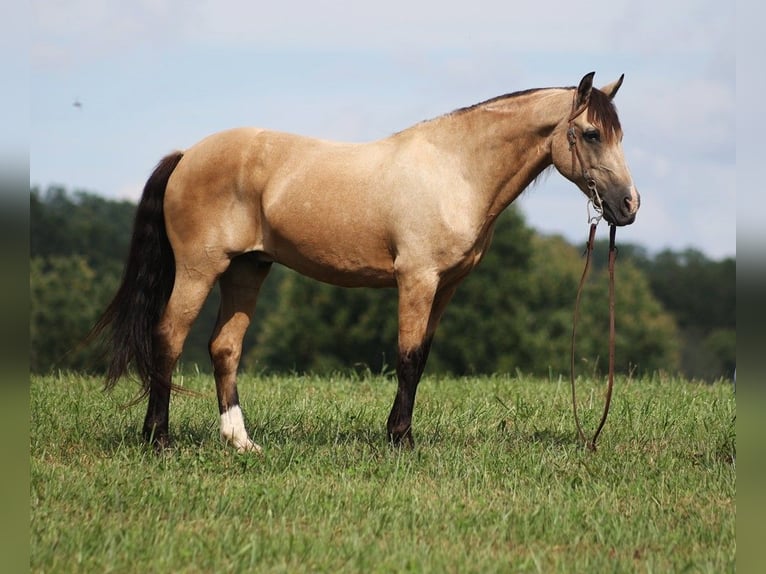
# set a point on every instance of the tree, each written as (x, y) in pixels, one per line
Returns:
(647, 338)
(83, 224)
(66, 297)
(322, 328)
(527, 324)
(701, 295)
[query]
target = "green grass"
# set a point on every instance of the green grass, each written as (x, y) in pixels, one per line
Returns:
(497, 483)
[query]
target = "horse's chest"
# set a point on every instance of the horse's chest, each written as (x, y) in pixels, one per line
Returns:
(459, 256)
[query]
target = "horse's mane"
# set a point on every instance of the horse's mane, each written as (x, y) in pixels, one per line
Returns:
(500, 98)
(601, 109)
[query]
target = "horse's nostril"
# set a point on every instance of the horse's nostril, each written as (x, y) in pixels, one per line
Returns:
(628, 202)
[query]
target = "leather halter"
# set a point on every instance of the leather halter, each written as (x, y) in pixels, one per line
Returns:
(594, 196)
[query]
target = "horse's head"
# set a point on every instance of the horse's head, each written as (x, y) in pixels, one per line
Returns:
(587, 150)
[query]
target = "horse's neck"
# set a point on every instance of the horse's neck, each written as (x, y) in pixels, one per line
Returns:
(506, 143)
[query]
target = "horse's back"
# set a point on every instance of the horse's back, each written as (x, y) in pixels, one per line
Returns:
(314, 205)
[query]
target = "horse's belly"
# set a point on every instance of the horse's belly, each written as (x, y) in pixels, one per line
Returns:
(337, 258)
(343, 273)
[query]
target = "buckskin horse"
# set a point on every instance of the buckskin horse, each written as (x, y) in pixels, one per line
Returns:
(414, 211)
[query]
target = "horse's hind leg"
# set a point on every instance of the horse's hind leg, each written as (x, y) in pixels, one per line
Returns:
(240, 285)
(189, 293)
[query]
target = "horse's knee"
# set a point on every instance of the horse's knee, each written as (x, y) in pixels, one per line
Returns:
(224, 355)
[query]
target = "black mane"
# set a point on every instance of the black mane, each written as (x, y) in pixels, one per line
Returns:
(499, 98)
(601, 110)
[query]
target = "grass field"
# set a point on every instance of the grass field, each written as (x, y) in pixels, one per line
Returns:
(497, 482)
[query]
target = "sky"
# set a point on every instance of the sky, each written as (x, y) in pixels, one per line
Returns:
(153, 76)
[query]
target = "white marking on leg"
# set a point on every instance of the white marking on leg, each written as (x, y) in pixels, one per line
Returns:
(233, 431)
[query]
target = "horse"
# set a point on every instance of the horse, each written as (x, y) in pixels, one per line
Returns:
(415, 211)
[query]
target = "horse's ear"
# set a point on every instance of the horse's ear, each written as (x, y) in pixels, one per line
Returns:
(583, 90)
(611, 89)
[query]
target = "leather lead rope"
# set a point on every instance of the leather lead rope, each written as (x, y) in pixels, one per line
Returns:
(595, 199)
(591, 444)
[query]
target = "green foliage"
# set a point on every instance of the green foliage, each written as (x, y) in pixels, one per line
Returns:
(77, 244)
(66, 299)
(321, 328)
(701, 296)
(647, 337)
(702, 292)
(84, 224)
(498, 482)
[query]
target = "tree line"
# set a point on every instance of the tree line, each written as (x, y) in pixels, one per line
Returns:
(675, 310)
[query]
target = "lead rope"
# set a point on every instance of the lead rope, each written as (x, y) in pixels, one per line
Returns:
(610, 385)
(595, 199)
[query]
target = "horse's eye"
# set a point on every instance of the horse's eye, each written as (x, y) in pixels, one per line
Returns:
(591, 136)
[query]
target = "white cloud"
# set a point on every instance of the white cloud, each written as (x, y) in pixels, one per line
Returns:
(693, 116)
(72, 31)
(680, 26)
(396, 24)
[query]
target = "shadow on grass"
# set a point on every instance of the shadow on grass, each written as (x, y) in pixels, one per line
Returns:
(554, 437)
(130, 437)
(186, 435)
(196, 435)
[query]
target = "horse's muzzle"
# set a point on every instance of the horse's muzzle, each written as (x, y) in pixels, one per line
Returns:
(623, 211)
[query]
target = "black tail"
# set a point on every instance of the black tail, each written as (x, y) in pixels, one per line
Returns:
(129, 321)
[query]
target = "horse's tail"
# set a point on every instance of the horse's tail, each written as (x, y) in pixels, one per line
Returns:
(130, 319)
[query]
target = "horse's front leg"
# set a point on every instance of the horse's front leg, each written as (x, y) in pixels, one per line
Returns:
(421, 304)
(239, 292)
(409, 369)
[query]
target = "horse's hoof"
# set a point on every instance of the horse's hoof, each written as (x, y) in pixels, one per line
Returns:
(242, 444)
(248, 446)
(402, 440)
(160, 443)
(157, 438)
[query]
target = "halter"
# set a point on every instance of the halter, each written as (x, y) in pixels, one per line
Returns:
(595, 199)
